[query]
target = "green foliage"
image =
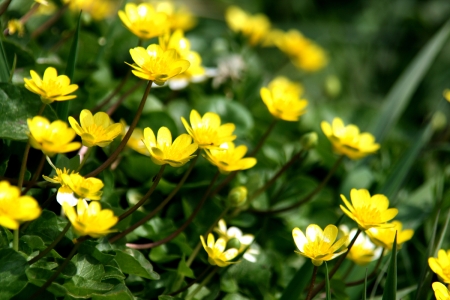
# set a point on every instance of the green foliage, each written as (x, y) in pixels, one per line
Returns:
(390, 289)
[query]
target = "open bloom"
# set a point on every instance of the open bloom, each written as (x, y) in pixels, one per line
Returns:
(216, 251)
(384, 237)
(368, 211)
(162, 151)
(51, 138)
(83, 188)
(98, 10)
(14, 208)
(65, 193)
(52, 87)
(347, 140)
(143, 20)
(16, 26)
(441, 265)
(207, 131)
(319, 245)
(363, 250)
(282, 98)
(229, 158)
(136, 142)
(90, 219)
(255, 27)
(441, 292)
(178, 16)
(97, 130)
(157, 65)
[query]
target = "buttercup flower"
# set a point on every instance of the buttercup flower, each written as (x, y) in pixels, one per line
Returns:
(14, 208)
(237, 196)
(347, 140)
(368, 211)
(216, 254)
(384, 237)
(178, 17)
(16, 26)
(65, 193)
(363, 250)
(143, 21)
(207, 131)
(229, 158)
(441, 265)
(157, 65)
(51, 87)
(446, 94)
(51, 138)
(90, 219)
(162, 151)
(98, 10)
(83, 188)
(319, 245)
(441, 292)
(282, 98)
(136, 142)
(97, 130)
(254, 27)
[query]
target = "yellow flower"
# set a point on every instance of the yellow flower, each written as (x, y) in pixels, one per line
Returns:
(14, 26)
(446, 94)
(65, 193)
(233, 232)
(229, 158)
(282, 98)
(368, 211)
(98, 9)
(136, 142)
(14, 208)
(179, 17)
(348, 140)
(207, 131)
(216, 254)
(83, 188)
(97, 130)
(319, 245)
(304, 53)
(441, 265)
(363, 250)
(441, 292)
(51, 87)
(156, 64)
(384, 237)
(90, 219)
(255, 27)
(51, 138)
(162, 151)
(143, 20)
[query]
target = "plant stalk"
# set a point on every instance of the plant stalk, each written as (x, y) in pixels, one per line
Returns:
(311, 286)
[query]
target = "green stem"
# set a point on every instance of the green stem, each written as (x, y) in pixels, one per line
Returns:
(146, 196)
(4, 7)
(51, 246)
(192, 282)
(263, 138)
(181, 229)
(159, 207)
(16, 239)
(313, 279)
(124, 96)
(204, 282)
(308, 197)
(23, 166)
(372, 274)
(127, 136)
(36, 174)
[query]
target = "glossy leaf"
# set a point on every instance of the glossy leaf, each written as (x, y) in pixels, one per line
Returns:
(12, 273)
(119, 292)
(299, 282)
(133, 262)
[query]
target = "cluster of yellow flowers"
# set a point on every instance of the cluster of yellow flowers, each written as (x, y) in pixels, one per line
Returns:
(441, 266)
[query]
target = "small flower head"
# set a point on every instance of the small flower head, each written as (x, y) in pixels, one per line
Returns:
(384, 237)
(216, 251)
(51, 87)
(157, 65)
(237, 196)
(229, 158)
(446, 94)
(282, 98)
(162, 151)
(16, 26)
(441, 292)
(97, 130)
(83, 188)
(98, 10)
(363, 250)
(143, 20)
(347, 140)
(14, 208)
(207, 131)
(319, 245)
(90, 219)
(51, 138)
(441, 265)
(136, 142)
(178, 16)
(65, 193)
(255, 27)
(368, 211)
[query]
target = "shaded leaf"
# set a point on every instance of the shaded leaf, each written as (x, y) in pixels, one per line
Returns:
(298, 283)
(184, 270)
(390, 288)
(133, 262)
(4, 67)
(119, 292)
(327, 283)
(39, 277)
(46, 227)
(12, 273)
(80, 286)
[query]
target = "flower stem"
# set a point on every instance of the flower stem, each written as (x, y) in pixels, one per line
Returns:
(124, 96)
(115, 92)
(4, 7)
(127, 136)
(146, 196)
(51, 246)
(308, 197)
(190, 283)
(36, 174)
(181, 229)
(201, 285)
(372, 274)
(313, 279)
(158, 208)
(263, 138)
(16, 239)
(23, 167)
(224, 183)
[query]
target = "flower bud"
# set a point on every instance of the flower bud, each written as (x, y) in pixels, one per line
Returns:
(309, 140)
(439, 120)
(234, 243)
(237, 196)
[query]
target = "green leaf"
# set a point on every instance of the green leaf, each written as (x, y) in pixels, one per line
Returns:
(299, 282)
(184, 270)
(365, 287)
(39, 276)
(12, 273)
(46, 227)
(91, 247)
(113, 272)
(88, 267)
(81, 287)
(4, 67)
(167, 297)
(390, 288)
(400, 94)
(160, 254)
(133, 262)
(33, 241)
(5, 237)
(17, 104)
(119, 292)
(24, 56)
(327, 283)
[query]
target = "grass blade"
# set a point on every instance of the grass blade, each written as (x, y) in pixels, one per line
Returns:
(327, 283)
(365, 287)
(4, 67)
(298, 283)
(390, 289)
